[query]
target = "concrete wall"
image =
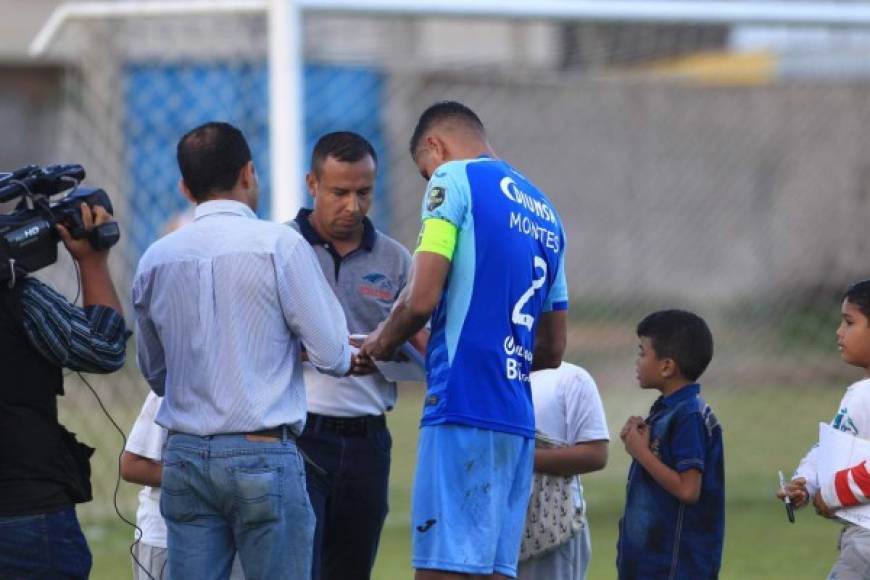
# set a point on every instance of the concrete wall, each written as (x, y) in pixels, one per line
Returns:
(676, 191)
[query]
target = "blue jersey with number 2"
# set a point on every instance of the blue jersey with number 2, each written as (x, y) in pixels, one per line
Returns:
(507, 269)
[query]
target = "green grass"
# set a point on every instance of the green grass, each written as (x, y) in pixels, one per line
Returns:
(765, 430)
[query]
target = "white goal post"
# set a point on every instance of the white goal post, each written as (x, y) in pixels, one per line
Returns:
(285, 19)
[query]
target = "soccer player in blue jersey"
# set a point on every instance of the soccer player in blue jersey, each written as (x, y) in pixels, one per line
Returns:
(489, 272)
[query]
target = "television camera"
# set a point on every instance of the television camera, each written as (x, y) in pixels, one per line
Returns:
(28, 237)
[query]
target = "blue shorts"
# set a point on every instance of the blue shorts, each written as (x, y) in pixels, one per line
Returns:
(471, 492)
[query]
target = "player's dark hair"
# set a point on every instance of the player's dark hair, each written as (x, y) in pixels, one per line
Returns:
(681, 336)
(344, 146)
(444, 111)
(210, 158)
(859, 295)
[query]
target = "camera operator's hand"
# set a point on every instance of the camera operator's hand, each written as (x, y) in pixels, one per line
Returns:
(97, 286)
(81, 249)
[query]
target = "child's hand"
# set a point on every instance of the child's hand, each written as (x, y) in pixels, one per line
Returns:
(796, 490)
(821, 507)
(632, 421)
(636, 439)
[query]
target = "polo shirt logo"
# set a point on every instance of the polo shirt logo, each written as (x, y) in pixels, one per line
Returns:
(377, 285)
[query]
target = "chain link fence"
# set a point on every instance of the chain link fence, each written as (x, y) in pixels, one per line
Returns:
(720, 169)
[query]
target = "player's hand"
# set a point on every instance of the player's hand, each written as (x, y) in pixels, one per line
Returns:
(81, 249)
(373, 347)
(361, 366)
(632, 421)
(636, 439)
(821, 507)
(797, 492)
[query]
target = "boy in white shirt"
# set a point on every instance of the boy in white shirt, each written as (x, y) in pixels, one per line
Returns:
(851, 486)
(568, 411)
(142, 464)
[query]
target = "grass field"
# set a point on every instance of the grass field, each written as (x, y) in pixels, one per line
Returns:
(765, 430)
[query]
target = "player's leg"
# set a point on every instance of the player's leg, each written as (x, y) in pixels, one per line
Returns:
(359, 506)
(464, 475)
(518, 483)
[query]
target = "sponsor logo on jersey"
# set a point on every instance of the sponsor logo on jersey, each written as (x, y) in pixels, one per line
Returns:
(436, 197)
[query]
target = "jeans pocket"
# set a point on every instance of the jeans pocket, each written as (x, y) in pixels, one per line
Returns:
(258, 493)
(178, 501)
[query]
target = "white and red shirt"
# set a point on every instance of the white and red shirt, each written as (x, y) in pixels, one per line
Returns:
(851, 486)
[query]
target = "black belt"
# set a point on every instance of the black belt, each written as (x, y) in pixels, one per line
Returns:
(277, 432)
(348, 426)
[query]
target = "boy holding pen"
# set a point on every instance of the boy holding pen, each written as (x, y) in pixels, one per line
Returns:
(851, 486)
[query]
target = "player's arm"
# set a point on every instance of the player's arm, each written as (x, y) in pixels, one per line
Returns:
(141, 470)
(551, 335)
(421, 295)
(573, 460)
(684, 482)
(551, 339)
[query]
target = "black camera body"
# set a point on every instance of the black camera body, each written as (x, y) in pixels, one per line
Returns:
(28, 237)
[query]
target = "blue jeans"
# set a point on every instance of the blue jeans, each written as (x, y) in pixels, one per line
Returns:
(349, 496)
(48, 546)
(225, 493)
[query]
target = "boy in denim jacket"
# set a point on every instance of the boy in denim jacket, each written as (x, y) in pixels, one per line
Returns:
(674, 521)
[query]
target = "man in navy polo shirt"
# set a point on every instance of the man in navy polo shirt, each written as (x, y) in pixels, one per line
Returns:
(674, 521)
(346, 436)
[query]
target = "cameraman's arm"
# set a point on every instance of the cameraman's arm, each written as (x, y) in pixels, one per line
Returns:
(97, 286)
(91, 339)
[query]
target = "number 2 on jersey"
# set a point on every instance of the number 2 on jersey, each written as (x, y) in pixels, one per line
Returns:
(517, 316)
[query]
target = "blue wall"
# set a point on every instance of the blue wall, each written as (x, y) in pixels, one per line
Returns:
(164, 101)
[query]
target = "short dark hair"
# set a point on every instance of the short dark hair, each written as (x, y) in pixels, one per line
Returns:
(345, 146)
(440, 112)
(681, 336)
(859, 295)
(210, 158)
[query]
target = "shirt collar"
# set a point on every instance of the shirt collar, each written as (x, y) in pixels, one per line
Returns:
(312, 237)
(680, 395)
(226, 206)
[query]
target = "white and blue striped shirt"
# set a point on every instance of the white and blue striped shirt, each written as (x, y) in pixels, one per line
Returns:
(221, 307)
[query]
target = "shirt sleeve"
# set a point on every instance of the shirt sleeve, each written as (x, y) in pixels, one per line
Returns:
(848, 488)
(147, 438)
(584, 412)
(91, 339)
(557, 299)
(688, 442)
(311, 309)
(448, 195)
(808, 468)
(149, 348)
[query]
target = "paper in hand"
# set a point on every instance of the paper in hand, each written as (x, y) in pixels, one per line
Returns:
(408, 365)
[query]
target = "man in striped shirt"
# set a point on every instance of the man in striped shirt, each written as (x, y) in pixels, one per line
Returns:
(44, 471)
(222, 307)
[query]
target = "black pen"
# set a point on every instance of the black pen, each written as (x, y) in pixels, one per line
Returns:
(789, 509)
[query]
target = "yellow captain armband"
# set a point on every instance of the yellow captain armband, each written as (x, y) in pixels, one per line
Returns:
(437, 236)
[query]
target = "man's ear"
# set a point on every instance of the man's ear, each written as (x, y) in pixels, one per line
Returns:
(185, 191)
(248, 176)
(311, 183)
(437, 145)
